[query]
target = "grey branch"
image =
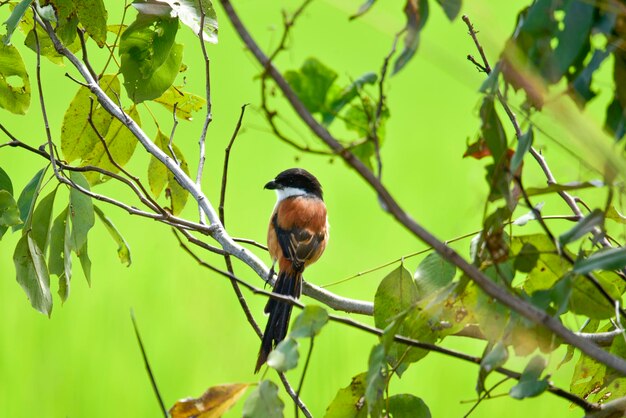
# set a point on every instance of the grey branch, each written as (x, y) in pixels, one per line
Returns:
(217, 230)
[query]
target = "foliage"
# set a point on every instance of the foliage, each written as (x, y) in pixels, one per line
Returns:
(556, 48)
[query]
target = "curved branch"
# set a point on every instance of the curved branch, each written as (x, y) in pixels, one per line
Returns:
(216, 228)
(492, 289)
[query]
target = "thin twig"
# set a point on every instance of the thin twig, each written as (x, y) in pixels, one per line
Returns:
(492, 289)
(170, 143)
(209, 105)
(146, 363)
(306, 367)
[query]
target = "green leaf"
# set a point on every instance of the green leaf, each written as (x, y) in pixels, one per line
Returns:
(42, 218)
(529, 384)
(548, 267)
(32, 274)
(605, 259)
(186, 103)
(93, 16)
(555, 188)
(311, 83)
(263, 402)
(9, 213)
(376, 380)
(416, 12)
(285, 356)
(81, 212)
(496, 355)
(59, 257)
(14, 81)
(150, 60)
(78, 138)
(120, 143)
(573, 40)
(348, 403)
(345, 96)
(28, 197)
(309, 323)
(67, 20)
(492, 130)
(614, 215)
(587, 377)
(450, 7)
(582, 227)
(159, 175)
(14, 20)
(190, 14)
(433, 273)
(5, 182)
(85, 262)
(123, 250)
(581, 86)
(407, 406)
(396, 293)
(587, 300)
(523, 146)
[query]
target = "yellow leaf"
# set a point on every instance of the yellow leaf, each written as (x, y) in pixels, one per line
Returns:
(186, 103)
(212, 404)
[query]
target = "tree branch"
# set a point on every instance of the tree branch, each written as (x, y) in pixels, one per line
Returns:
(487, 285)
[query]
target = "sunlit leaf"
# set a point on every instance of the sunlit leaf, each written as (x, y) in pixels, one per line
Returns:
(186, 103)
(57, 264)
(93, 16)
(548, 267)
(78, 138)
(32, 274)
(123, 250)
(212, 404)
(529, 384)
(14, 19)
(433, 273)
(263, 402)
(14, 81)
(309, 323)
(81, 212)
(555, 188)
(190, 14)
(159, 175)
(407, 406)
(349, 401)
(492, 129)
(285, 356)
(120, 143)
(396, 293)
(587, 300)
(150, 60)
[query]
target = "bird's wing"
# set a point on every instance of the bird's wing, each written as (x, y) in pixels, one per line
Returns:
(298, 244)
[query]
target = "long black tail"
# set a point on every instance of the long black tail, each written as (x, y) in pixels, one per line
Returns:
(288, 284)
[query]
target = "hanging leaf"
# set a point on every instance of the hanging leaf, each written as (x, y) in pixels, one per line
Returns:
(495, 356)
(78, 137)
(375, 380)
(13, 21)
(416, 12)
(150, 59)
(583, 227)
(363, 9)
(408, 406)
(28, 197)
(345, 96)
(14, 81)
(190, 14)
(605, 259)
(59, 258)
(433, 273)
(450, 7)
(159, 176)
(524, 144)
(263, 402)
(311, 83)
(123, 250)
(309, 323)
(42, 219)
(93, 16)
(80, 212)
(349, 401)
(529, 384)
(186, 103)
(32, 274)
(9, 213)
(285, 356)
(212, 404)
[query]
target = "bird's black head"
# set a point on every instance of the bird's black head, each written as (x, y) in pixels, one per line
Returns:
(296, 179)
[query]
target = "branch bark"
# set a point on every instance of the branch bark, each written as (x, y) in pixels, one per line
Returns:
(489, 287)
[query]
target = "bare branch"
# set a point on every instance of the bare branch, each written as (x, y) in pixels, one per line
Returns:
(487, 285)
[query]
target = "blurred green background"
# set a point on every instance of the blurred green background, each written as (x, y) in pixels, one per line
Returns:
(85, 362)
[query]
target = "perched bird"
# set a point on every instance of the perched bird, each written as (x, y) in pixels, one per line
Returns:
(296, 237)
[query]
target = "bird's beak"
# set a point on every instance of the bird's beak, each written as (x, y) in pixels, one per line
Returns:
(272, 185)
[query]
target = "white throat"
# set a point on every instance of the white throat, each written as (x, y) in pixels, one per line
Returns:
(282, 194)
